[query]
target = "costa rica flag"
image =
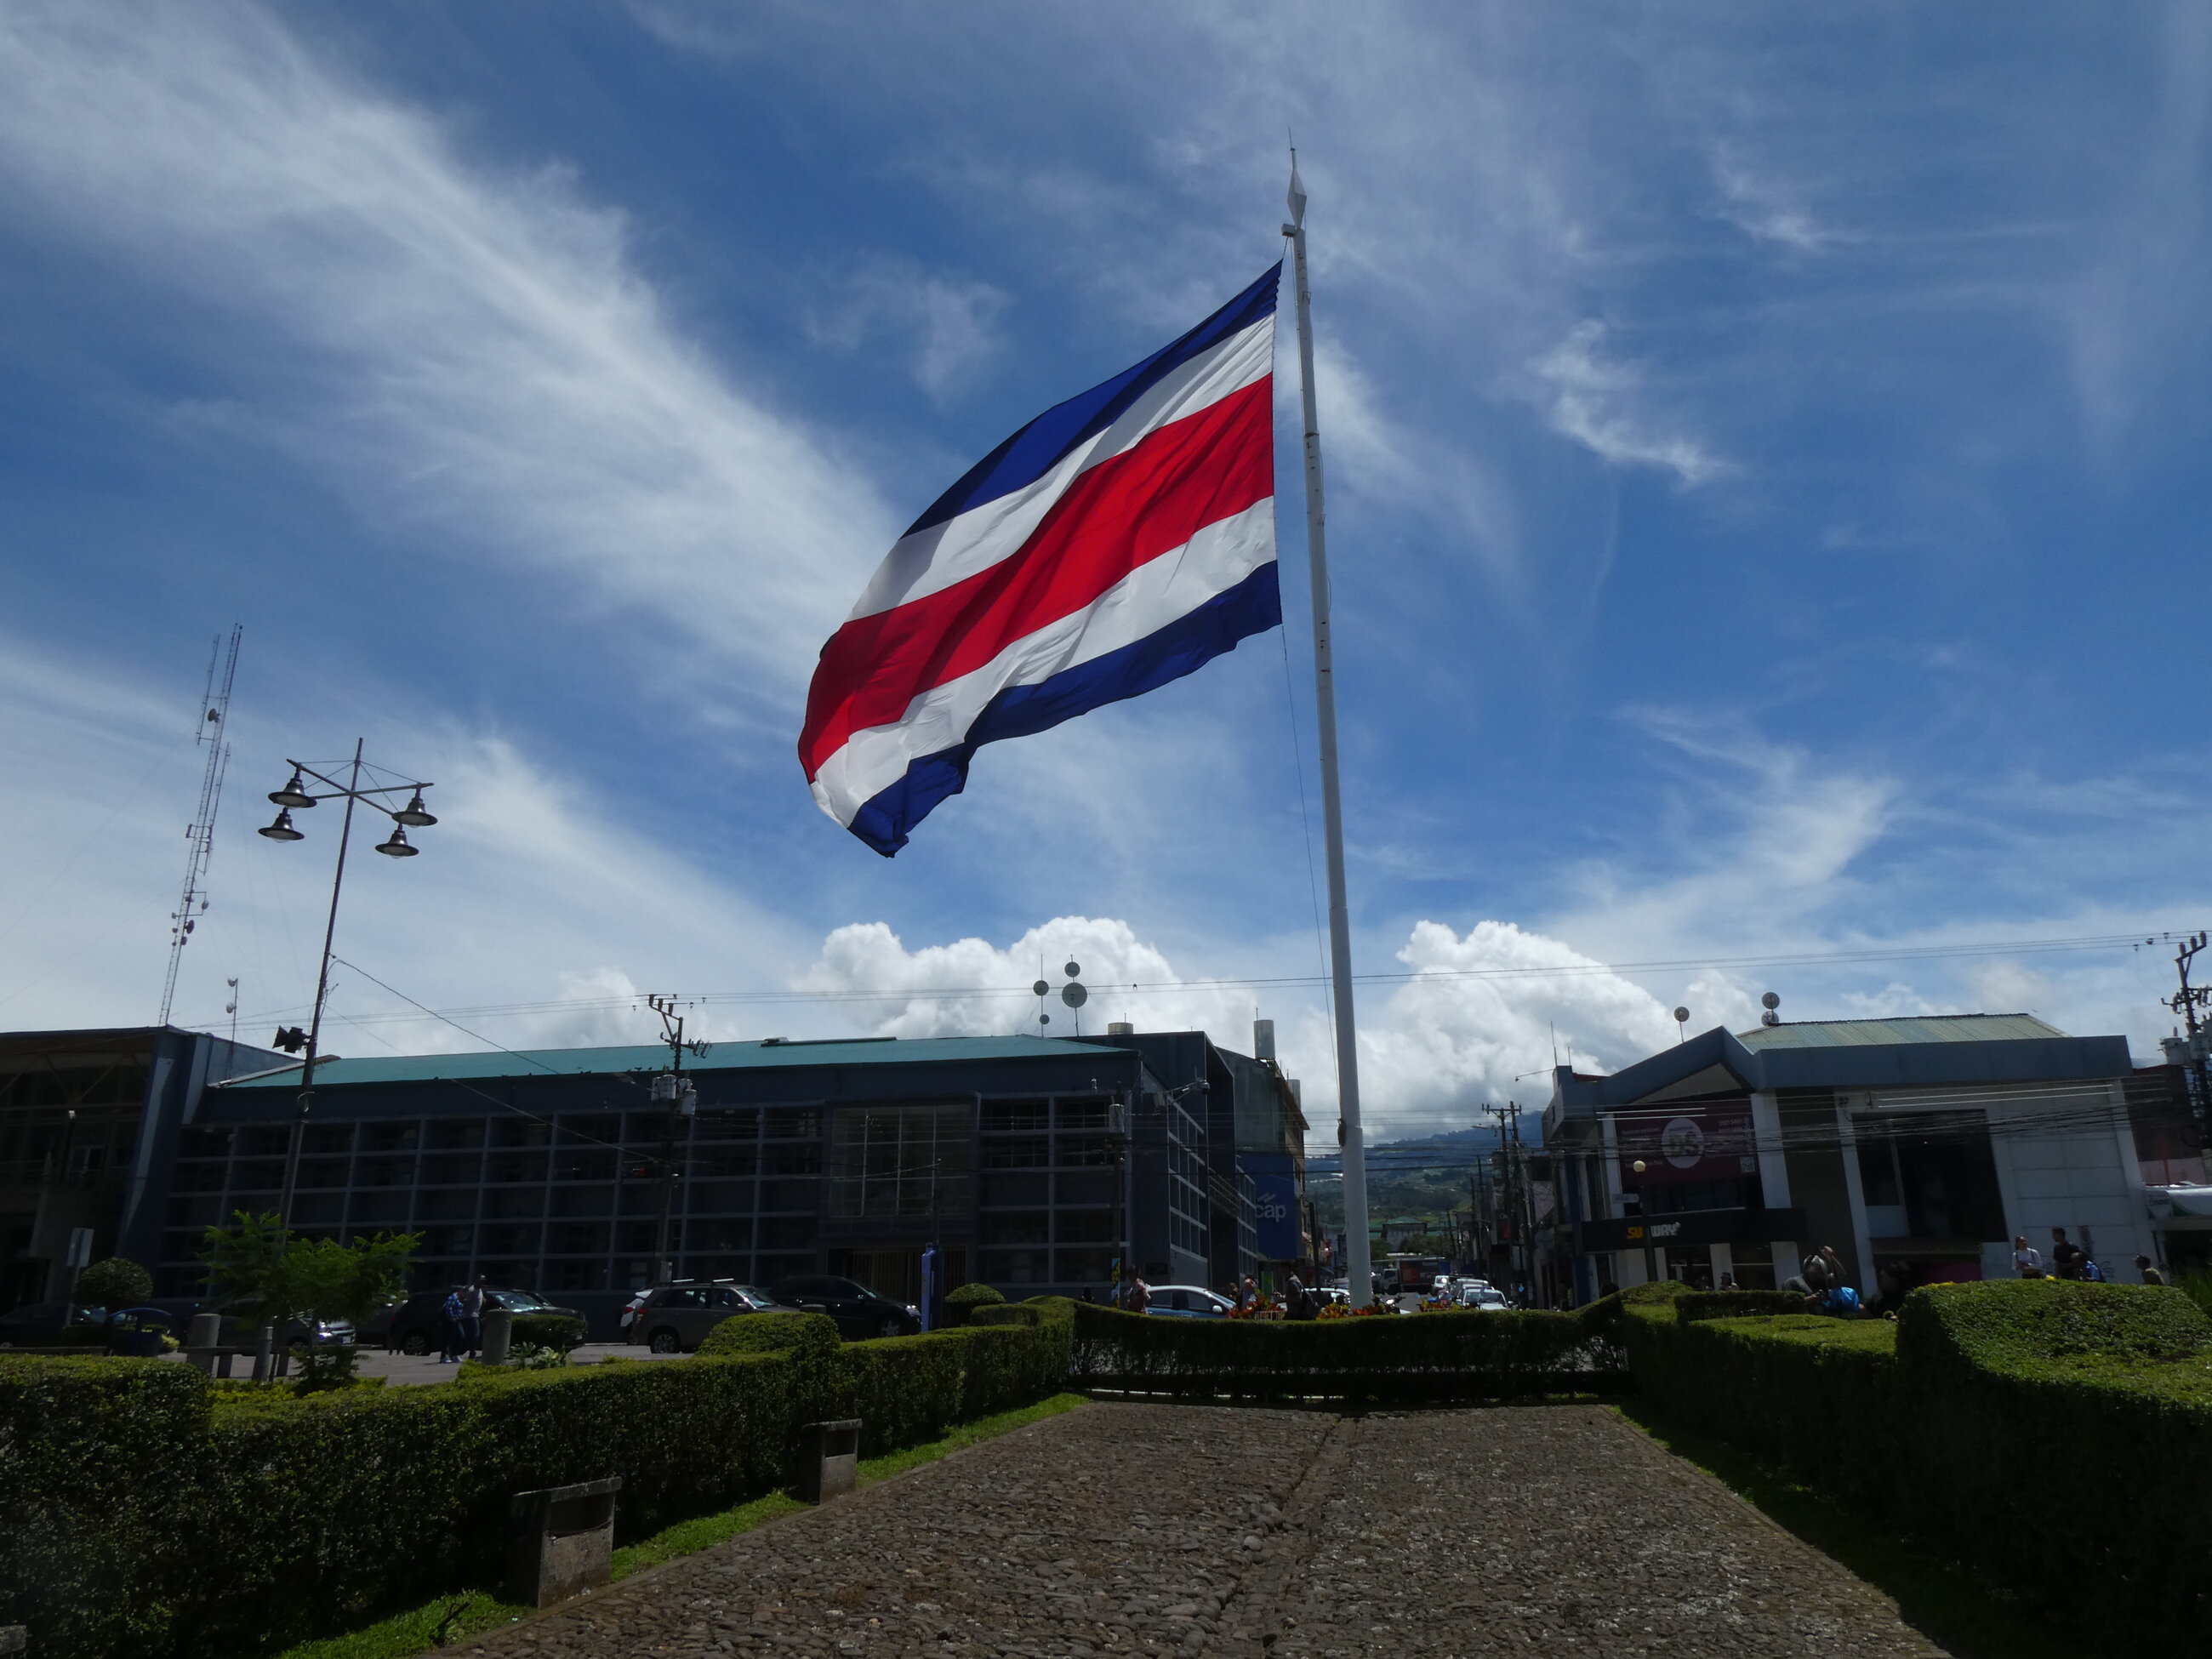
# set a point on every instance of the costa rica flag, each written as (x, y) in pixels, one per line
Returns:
(1118, 541)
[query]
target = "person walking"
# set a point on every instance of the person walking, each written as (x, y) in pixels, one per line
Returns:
(2151, 1274)
(2066, 1257)
(453, 1342)
(472, 1306)
(2026, 1259)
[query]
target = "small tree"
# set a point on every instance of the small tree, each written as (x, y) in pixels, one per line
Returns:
(114, 1284)
(280, 1277)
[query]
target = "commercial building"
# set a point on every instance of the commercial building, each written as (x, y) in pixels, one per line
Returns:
(89, 1127)
(1917, 1148)
(1034, 1164)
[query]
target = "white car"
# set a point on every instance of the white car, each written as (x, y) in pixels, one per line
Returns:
(1481, 1297)
(1187, 1302)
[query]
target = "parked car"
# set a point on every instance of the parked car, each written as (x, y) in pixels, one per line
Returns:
(676, 1317)
(1188, 1302)
(858, 1311)
(419, 1324)
(53, 1325)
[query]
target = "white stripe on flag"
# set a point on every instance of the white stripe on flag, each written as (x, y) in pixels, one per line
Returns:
(932, 560)
(1157, 593)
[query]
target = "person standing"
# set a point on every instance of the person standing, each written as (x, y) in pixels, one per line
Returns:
(2026, 1259)
(455, 1342)
(472, 1306)
(2065, 1255)
(2151, 1274)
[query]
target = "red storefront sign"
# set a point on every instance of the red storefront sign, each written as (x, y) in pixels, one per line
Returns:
(1711, 1140)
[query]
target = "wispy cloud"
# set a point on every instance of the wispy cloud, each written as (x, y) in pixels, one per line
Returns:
(1594, 401)
(1765, 210)
(467, 350)
(945, 326)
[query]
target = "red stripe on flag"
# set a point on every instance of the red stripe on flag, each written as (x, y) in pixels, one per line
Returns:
(1122, 514)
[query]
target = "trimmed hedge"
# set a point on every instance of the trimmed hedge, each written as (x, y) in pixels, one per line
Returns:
(79, 1519)
(1394, 1360)
(144, 1512)
(961, 1305)
(2055, 1436)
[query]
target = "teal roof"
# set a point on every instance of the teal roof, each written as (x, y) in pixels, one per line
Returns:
(1886, 1033)
(771, 1055)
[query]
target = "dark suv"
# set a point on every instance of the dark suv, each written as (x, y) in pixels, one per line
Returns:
(419, 1324)
(676, 1318)
(858, 1311)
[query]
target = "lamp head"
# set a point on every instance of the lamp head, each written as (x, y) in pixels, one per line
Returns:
(397, 848)
(414, 815)
(294, 793)
(282, 829)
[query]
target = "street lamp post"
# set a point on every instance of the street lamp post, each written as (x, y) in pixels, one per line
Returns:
(296, 796)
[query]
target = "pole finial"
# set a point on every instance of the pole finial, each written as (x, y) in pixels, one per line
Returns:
(1297, 198)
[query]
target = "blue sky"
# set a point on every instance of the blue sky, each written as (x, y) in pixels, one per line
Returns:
(1765, 489)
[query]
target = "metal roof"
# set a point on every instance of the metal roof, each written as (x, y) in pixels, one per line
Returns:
(1882, 1033)
(770, 1055)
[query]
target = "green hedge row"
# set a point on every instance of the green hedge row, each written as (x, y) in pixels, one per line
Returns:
(142, 1512)
(1432, 1357)
(2056, 1437)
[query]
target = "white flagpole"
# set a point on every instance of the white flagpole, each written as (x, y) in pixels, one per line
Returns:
(1359, 1269)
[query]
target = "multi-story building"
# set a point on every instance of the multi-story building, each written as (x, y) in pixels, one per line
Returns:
(1034, 1165)
(1917, 1147)
(88, 1124)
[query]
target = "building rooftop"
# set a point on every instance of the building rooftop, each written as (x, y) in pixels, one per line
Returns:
(771, 1053)
(1882, 1033)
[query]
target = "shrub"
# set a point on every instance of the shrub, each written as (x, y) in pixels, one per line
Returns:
(961, 1305)
(2014, 1325)
(1018, 1314)
(2051, 1434)
(1428, 1356)
(805, 1333)
(145, 1510)
(114, 1283)
(93, 1517)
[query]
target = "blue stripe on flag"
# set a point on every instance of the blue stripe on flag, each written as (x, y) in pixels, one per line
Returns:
(1253, 606)
(1037, 448)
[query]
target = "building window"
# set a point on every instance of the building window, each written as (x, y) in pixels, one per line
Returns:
(899, 1160)
(1017, 1116)
(1016, 1267)
(1029, 1152)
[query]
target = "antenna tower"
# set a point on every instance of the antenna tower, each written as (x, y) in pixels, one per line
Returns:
(215, 717)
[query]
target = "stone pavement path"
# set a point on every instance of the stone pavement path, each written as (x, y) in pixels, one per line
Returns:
(1199, 1530)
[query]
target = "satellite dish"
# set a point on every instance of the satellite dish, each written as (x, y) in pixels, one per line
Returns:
(1681, 1017)
(1041, 988)
(1770, 1000)
(1072, 969)
(1044, 1019)
(1074, 995)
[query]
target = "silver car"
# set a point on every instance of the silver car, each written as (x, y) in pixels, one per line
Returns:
(676, 1318)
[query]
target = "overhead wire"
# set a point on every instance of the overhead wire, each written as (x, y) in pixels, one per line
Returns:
(1292, 982)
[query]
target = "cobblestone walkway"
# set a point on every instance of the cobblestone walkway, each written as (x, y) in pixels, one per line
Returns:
(1196, 1530)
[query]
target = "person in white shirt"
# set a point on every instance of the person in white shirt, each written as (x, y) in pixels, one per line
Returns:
(2026, 1259)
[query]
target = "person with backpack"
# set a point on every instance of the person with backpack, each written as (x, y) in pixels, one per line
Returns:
(456, 1340)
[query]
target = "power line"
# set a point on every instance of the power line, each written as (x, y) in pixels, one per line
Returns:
(1294, 981)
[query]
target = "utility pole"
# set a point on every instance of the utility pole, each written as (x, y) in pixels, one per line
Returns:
(2186, 1001)
(682, 1101)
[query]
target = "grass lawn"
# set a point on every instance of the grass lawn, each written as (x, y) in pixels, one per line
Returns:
(1944, 1603)
(464, 1614)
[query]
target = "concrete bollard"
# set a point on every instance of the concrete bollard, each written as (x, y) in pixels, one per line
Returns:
(562, 1542)
(829, 1461)
(498, 1335)
(264, 1344)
